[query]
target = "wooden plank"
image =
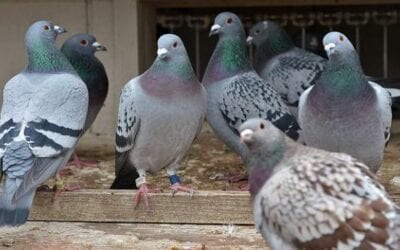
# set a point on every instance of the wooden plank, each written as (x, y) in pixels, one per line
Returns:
(258, 3)
(67, 235)
(206, 207)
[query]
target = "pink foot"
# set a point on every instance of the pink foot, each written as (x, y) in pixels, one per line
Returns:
(143, 193)
(178, 187)
(60, 187)
(81, 163)
(234, 178)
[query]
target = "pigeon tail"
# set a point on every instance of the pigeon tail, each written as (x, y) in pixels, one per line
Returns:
(17, 160)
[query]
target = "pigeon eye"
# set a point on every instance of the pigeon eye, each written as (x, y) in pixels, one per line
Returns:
(229, 20)
(262, 126)
(341, 38)
(84, 42)
(257, 31)
(175, 45)
(46, 27)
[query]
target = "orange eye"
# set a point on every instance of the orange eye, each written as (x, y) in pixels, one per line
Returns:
(83, 42)
(46, 27)
(341, 38)
(175, 45)
(262, 126)
(229, 20)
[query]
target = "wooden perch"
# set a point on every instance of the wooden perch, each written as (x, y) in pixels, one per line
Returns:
(95, 205)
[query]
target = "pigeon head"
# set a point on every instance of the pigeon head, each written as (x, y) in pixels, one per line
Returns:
(337, 45)
(226, 23)
(259, 134)
(170, 47)
(260, 32)
(44, 31)
(82, 44)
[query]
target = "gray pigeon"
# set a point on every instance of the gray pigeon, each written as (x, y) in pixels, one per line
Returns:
(43, 113)
(235, 92)
(343, 112)
(307, 198)
(80, 50)
(160, 113)
(289, 69)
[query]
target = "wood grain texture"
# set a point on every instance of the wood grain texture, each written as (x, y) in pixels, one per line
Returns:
(206, 207)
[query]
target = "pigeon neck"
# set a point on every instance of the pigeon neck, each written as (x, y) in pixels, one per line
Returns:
(86, 65)
(273, 45)
(180, 67)
(229, 58)
(262, 163)
(343, 78)
(46, 58)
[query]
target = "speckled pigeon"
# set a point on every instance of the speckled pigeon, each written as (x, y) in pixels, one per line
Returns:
(235, 92)
(343, 112)
(289, 69)
(307, 198)
(43, 114)
(160, 113)
(80, 50)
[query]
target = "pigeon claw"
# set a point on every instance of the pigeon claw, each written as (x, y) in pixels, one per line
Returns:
(79, 163)
(178, 187)
(143, 194)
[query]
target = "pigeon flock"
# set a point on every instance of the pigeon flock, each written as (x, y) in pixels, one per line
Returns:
(311, 131)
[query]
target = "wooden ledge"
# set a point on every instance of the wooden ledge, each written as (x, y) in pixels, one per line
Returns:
(96, 205)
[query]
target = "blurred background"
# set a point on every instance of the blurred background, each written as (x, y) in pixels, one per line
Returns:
(129, 29)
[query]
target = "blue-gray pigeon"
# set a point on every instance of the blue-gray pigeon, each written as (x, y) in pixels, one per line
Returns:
(160, 113)
(80, 50)
(343, 112)
(43, 114)
(289, 69)
(235, 92)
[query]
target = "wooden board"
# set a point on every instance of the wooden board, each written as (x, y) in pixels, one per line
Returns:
(68, 235)
(206, 207)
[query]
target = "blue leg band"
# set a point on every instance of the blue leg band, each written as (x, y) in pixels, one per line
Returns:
(174, 179)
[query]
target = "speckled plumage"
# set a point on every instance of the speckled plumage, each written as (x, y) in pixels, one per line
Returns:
(307, 198)
(160, 113)
(343, 112)
(289, 69)
(235, 92)
(42, 117)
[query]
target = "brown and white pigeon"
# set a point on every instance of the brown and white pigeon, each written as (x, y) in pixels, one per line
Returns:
(307, 198)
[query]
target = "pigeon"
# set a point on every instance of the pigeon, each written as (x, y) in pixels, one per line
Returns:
(43, 114)
(308, 198)
(161, 112)
(80, 50)
(343, 112)
(235, 92)
(289, 69)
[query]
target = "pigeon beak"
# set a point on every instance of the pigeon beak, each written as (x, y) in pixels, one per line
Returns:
(214, 29)
(162, 52)
(329, 48)
(246, 135)
(249, 40)
(99, 47)
(59, 29)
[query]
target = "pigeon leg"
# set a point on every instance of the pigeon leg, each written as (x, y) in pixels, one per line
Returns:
(60, 187)
(143, 192)
(234, 177)
(176, 185)
(81, 163)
